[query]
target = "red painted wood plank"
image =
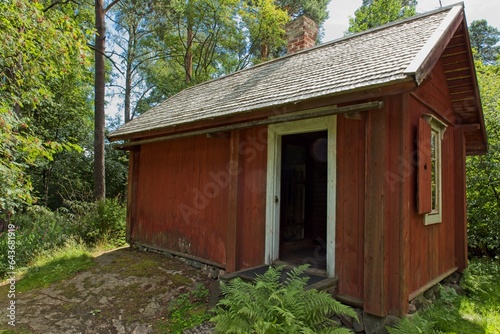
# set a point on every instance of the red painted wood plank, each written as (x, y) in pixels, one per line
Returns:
(252, 197)
(133, 175)
(179, 204)
(424, 201)
(340, 221)
(232, 221)
(375, 209)
(350, 206)
(434, 247)
(407, 168)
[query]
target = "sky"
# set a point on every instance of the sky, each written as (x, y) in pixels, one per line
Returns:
(340, 10)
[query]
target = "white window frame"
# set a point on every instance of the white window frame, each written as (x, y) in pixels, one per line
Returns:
(438, 127)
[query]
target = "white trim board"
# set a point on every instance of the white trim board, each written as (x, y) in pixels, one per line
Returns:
(275, 132)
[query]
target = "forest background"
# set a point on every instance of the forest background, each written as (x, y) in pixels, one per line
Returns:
(62, 61)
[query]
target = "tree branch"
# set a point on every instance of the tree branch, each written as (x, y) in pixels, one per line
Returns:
(111, 5)
(92, 47)
(55, 3)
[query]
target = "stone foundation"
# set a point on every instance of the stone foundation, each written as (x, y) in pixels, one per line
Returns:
(430, 295)
(370, 324)
(209, 270)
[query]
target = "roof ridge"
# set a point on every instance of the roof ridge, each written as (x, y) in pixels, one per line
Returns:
(393, 23)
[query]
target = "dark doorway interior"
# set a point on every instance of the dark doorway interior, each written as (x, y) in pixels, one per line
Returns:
(303, 199)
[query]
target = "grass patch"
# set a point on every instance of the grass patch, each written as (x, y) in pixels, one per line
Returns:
(15, 331)
(476, 312)
(55, 266)
(186, 311)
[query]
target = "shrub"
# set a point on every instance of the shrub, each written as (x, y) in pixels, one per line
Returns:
(269, 306)
(37, 230)
(482, 281)
(100, 221)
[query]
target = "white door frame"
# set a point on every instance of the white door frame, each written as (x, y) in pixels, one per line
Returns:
(275, 132)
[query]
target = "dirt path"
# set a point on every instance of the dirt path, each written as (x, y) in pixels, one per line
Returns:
(128, 291)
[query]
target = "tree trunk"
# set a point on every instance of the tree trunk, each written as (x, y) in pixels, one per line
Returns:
(188, 59)
(99, 117)
(264, 52)
(131, 52)
(128, 84)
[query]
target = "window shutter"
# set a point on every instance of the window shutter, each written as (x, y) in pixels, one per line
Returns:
(424, 197)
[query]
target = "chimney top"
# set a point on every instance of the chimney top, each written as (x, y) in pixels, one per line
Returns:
(301, 34)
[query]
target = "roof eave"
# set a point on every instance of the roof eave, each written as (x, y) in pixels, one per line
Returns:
(428, 56)
(479, 104)
(422, 65)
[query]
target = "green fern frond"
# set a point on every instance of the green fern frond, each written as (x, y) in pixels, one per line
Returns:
(268, 306)
(414, 325)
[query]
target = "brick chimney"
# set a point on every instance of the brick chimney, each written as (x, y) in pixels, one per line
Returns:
(301, 34)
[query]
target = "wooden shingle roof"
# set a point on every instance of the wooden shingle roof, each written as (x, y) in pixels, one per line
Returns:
(383, 56)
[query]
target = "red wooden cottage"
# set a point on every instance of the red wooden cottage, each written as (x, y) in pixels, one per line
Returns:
(349, 155)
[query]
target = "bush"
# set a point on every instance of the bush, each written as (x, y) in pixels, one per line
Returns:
(482, 281)
(269, 306)
(99, 221)
(37, 230)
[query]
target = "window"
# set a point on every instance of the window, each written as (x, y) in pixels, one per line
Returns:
(430, 135)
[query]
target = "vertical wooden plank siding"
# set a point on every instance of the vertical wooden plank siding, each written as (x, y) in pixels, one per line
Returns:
(396, 176)
(252, 197)
(375, 290)
(182, 196)
(406, 165)
(460, 200)
(232, 221)
(133, 174)
(350, 206)
(434, 91)
(433, 247)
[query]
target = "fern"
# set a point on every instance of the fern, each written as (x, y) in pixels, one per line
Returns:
(414, 325)
(269, 307)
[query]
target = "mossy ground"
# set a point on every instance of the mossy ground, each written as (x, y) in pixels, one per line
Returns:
(123, 289)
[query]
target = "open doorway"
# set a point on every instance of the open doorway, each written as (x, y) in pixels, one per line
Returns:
(310, 139)
(303, 205)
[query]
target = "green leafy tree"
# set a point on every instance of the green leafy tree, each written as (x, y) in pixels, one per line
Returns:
(483, 172)
(168, 46)
(38, 51)
(135, 53)
(195, 37)
(484, 39)
(189, 42)
(314, 9)
(265, 22)
(374, 13)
